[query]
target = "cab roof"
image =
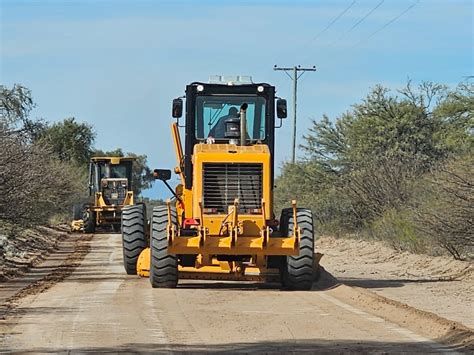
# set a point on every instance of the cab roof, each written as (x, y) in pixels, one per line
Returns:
(113, 160)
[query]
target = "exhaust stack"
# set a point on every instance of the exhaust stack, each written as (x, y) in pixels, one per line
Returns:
(243, 124)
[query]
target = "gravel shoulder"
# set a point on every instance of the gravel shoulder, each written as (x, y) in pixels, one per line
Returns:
(439, 285)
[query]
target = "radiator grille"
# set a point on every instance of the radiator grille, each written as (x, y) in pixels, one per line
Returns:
(224, 182)
(114, 193)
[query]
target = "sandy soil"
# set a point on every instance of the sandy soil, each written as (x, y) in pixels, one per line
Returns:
(90, 305)
(440, 285)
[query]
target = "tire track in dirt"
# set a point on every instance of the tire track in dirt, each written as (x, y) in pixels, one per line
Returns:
(67, 267)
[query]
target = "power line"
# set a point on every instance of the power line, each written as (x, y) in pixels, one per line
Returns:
(357, 23)
(332, 22)
(388, 23)
(362, 19)
(327, 27)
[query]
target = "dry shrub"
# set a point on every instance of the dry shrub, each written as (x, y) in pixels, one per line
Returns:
(446, 213)
(34, 184)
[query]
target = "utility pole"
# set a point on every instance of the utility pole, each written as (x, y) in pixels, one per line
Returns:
(295, 76)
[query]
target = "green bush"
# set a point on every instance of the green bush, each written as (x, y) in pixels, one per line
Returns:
(397, 167)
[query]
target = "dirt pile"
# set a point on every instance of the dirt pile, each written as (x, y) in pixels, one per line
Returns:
(27, 248)
(440, 284)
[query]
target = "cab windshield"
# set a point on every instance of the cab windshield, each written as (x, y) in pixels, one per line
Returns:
(213, 111)
(113, 171)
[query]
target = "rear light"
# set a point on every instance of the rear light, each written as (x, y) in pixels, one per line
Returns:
(124, 183)
(255, 211)
(209, 210)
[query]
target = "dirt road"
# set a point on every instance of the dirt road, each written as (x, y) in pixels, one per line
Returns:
(98, 308)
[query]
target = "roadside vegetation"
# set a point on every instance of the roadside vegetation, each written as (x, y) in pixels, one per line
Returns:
(43, 166)
(398, 166)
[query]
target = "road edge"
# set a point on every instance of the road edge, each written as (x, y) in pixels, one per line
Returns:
(450, 333)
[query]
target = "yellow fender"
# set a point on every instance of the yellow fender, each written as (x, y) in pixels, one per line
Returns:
(143, 263)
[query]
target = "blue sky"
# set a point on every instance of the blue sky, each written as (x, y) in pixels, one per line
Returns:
(118, 64)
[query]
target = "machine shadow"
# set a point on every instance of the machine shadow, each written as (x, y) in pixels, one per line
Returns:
(386, 283)
(324, 281)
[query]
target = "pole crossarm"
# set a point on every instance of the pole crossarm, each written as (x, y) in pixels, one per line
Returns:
(294, 70)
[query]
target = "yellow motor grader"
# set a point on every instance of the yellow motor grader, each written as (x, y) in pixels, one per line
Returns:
(110, 189)
(221, 224)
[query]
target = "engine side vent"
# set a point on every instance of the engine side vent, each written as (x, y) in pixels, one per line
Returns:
(224, 182)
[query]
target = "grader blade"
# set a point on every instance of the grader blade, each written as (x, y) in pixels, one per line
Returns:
(219, 270)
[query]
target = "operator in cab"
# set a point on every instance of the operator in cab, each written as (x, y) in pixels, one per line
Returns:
(218, 131)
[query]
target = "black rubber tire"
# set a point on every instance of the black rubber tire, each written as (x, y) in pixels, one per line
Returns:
(88, 217)
(77, 210)
(298, 271)
(133, 236)
(163, 266)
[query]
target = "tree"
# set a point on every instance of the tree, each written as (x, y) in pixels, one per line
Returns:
(15, 104)
(34, 183)
(374, 151)
(141, 173)
(457, 113)
(382, 125)
(69, 140)
(382, 167)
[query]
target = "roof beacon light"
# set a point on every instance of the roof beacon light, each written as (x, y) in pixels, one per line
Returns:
(260, 88)
(230, 79)
(200, 88)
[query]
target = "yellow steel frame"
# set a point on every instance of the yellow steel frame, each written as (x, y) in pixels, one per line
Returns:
(214, 269)
(100, 205)
(217, 234)
(232, 240)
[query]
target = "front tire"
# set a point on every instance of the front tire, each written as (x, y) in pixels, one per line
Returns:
(163, 266)
(298, 271)
(88, 217)
(133, 236)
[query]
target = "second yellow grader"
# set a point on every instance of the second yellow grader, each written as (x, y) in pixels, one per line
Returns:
(221, 224)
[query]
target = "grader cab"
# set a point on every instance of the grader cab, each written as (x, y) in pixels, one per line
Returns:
(221, 224)
(110, 189)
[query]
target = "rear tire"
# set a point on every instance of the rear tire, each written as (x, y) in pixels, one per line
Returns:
(77, 210)
(163, 266)
(88, 217)
(298, 271)
(133, 236)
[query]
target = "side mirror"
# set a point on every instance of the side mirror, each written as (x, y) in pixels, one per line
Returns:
(162, 174)
(281, 108)
(177, 110)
